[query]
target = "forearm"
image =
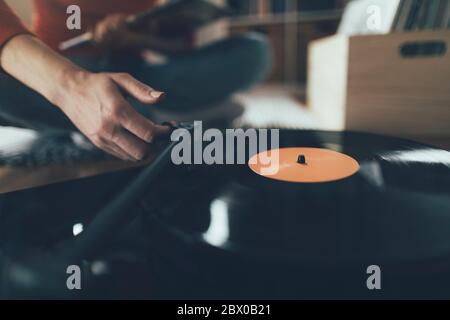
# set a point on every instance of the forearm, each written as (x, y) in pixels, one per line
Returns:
(30, 61)
(94, 102)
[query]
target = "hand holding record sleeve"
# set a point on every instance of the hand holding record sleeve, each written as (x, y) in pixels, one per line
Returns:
(113, 33)
(161, 28)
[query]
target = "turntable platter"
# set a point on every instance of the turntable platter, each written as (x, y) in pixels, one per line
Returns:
(389, 203)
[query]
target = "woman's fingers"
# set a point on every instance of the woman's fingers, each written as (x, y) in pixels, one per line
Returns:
(140, 126)
(137, 89)
(101, 113)
(125, 116)
(117, 152)
(130, 144)
(106, 31)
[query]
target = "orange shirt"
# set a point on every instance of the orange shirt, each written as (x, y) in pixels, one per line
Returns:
(49, 17)
(10, 25)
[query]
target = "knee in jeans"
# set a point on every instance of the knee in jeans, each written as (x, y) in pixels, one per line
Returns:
(255, 53)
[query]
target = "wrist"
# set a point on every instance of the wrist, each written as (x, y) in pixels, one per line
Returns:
(68, 80)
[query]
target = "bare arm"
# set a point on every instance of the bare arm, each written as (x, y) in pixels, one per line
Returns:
(93, 102)
(35, 65)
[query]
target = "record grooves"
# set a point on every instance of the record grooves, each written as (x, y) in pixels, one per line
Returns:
(224, 226)
(396, 208)
(225, 231)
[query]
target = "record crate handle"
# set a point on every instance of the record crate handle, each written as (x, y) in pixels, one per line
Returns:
(424, 49)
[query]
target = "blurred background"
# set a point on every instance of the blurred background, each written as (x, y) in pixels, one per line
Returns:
(379, 66)
(289, 24)
(340, 64)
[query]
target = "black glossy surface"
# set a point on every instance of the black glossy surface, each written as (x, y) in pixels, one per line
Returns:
(225, 232)
(396, 209)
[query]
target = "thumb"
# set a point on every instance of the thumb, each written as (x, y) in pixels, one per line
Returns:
(137, 89)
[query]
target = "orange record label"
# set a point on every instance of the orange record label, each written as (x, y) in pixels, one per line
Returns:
(303, 165)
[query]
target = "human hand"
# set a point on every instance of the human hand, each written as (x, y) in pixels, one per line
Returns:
(96, 104)
(113, 32)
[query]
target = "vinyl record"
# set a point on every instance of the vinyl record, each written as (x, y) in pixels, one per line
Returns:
(393, 209)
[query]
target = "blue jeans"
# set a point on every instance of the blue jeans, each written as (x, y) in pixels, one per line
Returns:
(197, 80)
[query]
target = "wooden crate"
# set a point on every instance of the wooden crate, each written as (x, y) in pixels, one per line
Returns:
(365, 83)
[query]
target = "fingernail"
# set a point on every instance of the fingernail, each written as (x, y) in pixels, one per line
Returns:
(169, 124)
(156, 94)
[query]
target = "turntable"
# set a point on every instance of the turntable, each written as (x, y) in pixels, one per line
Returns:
(341, 202)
